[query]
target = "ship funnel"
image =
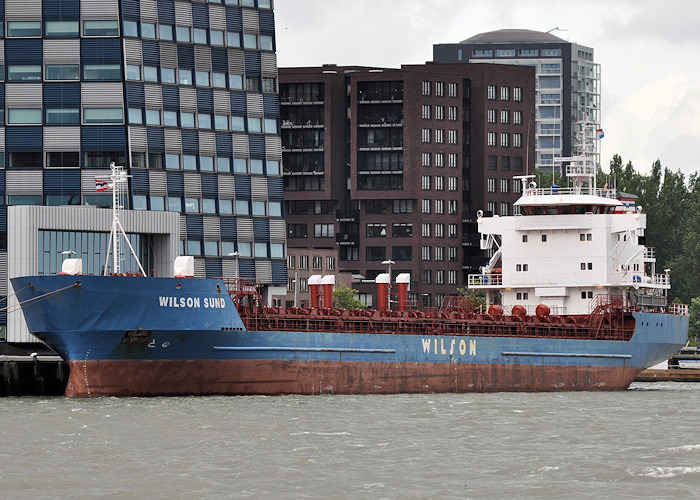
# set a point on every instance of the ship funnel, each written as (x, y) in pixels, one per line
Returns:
(314, 289)
(403, 281)
(328, 284)
(383, 282)
(183, 266)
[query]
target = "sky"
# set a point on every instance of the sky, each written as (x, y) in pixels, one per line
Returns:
(648, 52)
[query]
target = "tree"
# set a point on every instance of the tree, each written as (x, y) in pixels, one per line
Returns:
(344, 297)
(477, 298)
(694, 321)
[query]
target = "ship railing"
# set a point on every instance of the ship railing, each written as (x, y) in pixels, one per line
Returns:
(661, 279)
(529, 279)
(558, 190)
(606, 300)
(485, 280)
(679, 309)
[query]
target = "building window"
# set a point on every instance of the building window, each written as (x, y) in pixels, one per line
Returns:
(504, 139)
(317, 262)
(23, 28)
(426, 88)
(303, 262)
(452, 90)
(62, 29)
(426, 112)
(491, 207)
(505, 116)
(491, 92)
(452, 113)
(453, 254)
(439, 277)
(505, 93)
(504, 208)
(324, 230)
(439, 207)
(491, 140)
(439, 136)
(524, 238)
(439, 112)
(402, 230)
(103, 115)
(517, 140)
(427, 275)
(518, 117)
(452, 207)
(491, 116)
(425, 253)
(425, 182)
(505, 184)
(505, 163)
(439, 230)
(452, 137)
(425, 230)
(517, 93)
(425, 206)
(440, 89)
(452, 160)
(517, 186)
(439, 183)
(439, 254)
(330, 263)
(439, 159)
(375, 230)
(491, 185)
(27, 116)
(297, 231)
(375, 253)
(403, 206)
(426, 135)
(452, 183)
(518, 165)
(100, 28)
(425, 159)
(452, 230)
(452, 277)
(59, 72)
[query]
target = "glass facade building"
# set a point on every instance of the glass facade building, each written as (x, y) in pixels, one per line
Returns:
(183, 93)
(567, 83)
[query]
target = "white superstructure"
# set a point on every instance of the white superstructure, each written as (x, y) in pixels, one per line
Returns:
(567, 246)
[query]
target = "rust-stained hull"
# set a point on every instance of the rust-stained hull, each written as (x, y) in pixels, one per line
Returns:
(274, 377)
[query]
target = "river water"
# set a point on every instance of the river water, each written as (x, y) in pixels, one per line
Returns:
(643, 442)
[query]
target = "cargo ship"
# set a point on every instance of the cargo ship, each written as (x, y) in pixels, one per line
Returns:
(573, 302)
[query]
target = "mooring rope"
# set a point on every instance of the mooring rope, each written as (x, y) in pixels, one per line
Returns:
(35, 300)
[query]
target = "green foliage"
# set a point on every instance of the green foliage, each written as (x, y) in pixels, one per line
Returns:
(344, 298)
(694, 323)
(548, 179)
(672, 206)
(477, 298)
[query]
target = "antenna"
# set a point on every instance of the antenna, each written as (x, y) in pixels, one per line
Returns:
(118, 183)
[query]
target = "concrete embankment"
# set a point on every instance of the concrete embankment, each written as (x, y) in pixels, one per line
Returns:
(31, 370)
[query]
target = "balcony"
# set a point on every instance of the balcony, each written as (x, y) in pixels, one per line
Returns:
(298, 124)
(347, 238)
(347, 215)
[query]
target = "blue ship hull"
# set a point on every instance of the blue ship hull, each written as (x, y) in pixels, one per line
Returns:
(131, 336)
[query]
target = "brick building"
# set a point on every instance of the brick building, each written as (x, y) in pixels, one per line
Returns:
(391, 165)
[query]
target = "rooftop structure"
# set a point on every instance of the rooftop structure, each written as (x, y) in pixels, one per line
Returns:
(567, 84)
